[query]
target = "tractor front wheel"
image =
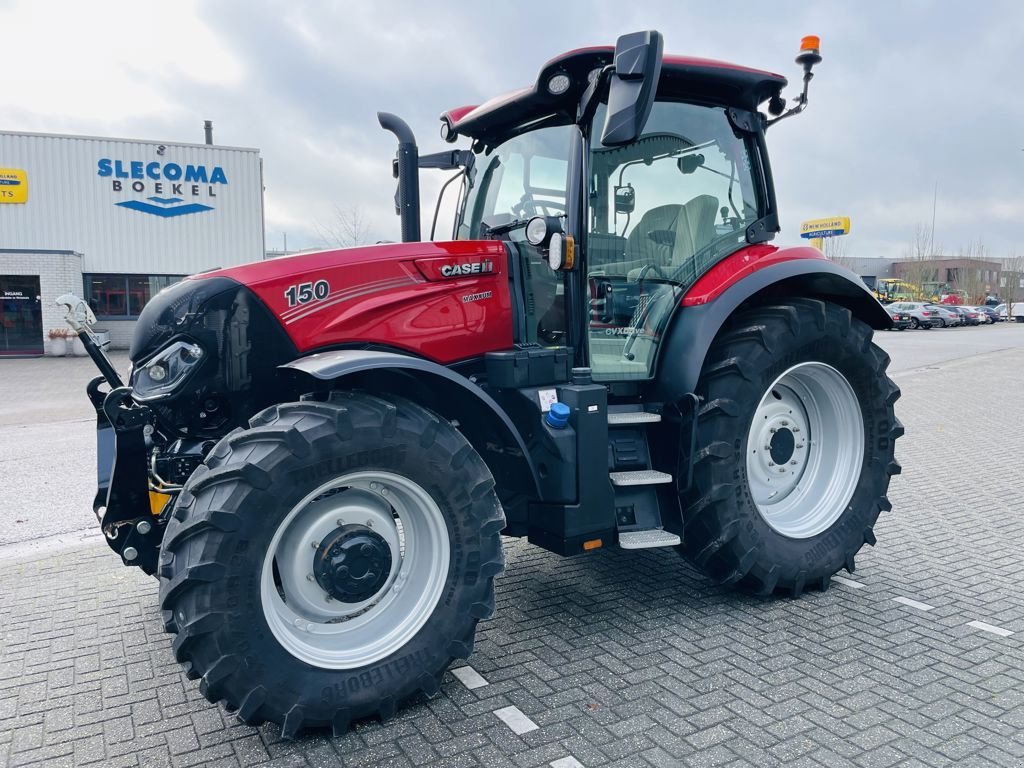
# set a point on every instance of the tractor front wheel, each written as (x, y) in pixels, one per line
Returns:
(795, 448)
(330, 561)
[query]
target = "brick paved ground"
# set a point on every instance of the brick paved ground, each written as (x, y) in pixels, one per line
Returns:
(617, 658)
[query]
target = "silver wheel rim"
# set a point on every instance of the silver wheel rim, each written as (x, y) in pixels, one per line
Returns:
(331, 634)
(805, 450)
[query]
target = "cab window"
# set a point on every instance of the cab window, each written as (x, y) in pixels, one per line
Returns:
(523, 177)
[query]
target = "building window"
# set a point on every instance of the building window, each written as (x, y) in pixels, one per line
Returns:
(122, 297)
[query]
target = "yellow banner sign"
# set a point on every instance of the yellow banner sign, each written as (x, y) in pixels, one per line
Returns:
(13, 186)
(830, 227)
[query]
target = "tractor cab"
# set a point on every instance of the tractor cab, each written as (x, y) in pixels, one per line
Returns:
(640, 199)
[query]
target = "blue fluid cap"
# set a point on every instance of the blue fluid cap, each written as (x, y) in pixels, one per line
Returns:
(558, 416)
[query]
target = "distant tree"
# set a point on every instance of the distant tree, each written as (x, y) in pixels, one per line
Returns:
(837, 249)
(971, 278)
(1011, 279)
(917, 269)
(346, 229)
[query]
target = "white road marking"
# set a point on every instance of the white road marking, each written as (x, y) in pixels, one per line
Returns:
(913, 603)
(566, 762)
(989, 628)
(469, 677)
(848, 582)
(516, 720)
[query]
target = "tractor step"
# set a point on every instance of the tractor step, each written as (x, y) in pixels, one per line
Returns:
(648, 539)
(640, 477)
(620, 418)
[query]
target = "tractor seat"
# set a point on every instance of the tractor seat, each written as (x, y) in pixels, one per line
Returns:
(670, 235)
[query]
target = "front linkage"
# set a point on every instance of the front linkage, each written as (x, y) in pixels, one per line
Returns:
(132, 527)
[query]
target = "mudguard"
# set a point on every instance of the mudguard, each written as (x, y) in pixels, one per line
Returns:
(453, 396)
(695, 325)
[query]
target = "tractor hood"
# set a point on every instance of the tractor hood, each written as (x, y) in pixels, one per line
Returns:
(370, 257)
(446, 301)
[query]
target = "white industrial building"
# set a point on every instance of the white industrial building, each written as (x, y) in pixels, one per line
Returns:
(115, 221)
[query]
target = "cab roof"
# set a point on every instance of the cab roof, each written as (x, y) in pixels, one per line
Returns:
(717, 82)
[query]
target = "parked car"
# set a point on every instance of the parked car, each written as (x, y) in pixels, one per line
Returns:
(947, 314)
(988, 314)
(920, 315)
(900, 320)
(970, 315)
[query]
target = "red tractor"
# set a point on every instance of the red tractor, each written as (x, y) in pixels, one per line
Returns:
(318, 455)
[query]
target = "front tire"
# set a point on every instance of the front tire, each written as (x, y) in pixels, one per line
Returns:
(329, 562)
(796, 434)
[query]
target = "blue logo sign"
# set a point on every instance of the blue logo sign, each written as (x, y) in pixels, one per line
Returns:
(167, 206)
(159, 178)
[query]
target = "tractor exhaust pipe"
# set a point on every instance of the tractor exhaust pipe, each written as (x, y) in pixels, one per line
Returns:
(406, 170)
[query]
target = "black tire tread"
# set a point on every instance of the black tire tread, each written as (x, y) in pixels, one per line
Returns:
(198, 523)
(711, 530)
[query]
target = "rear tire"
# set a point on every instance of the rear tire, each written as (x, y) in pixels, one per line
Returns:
(327, 642)
(915, 323)
(798, 389)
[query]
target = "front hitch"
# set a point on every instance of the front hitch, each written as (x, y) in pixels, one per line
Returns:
(121, 504)
(124, 512)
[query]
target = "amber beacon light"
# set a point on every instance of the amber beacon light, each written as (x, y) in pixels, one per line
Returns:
(810, 51)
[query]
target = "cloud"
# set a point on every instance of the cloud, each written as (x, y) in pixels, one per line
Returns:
(910, 95)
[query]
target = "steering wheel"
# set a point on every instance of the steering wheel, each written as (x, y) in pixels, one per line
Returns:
(527, 206)
(648, 268)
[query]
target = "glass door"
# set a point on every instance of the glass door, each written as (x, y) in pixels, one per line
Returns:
(662, 211)
(21, 316)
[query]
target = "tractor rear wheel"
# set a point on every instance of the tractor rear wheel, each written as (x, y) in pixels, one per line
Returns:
(329, 562)
(795, 448)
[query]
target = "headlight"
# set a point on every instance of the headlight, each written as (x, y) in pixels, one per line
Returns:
(162, 375)
(536, 230)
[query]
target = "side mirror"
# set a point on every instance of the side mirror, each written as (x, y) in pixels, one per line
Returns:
(633, 87)
(690, 163)
(625, 199)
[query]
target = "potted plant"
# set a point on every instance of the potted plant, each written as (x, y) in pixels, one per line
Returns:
(58, 342)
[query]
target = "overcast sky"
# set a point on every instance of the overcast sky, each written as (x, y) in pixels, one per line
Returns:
(910, 94)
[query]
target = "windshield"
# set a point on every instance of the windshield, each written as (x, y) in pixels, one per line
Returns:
(524, 177)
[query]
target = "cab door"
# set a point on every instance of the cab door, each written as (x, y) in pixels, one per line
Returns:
(662, 211)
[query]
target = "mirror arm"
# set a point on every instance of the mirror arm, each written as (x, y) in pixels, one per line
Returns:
(448, 161)
(801, 102)
(590, 99)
